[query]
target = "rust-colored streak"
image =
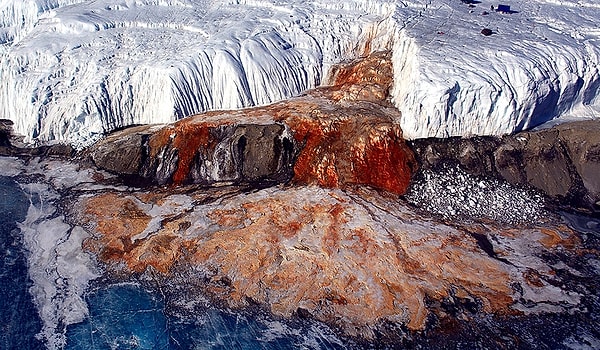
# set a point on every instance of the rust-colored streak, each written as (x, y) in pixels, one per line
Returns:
(187, 137)
(331, 237)
(187, 142)
(310, 136)
(338, 151)
(387, 163)
(375, 68)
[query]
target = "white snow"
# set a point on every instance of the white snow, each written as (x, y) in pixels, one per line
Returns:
(59, 269)
(73, 70)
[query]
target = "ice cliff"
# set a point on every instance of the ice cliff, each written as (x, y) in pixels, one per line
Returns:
(541, 62)
(73, 70)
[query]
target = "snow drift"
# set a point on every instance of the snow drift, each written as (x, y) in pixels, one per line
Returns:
(74, 70)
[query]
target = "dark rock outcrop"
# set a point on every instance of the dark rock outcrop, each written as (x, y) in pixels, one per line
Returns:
(11, 145)
(200, 152)
(123, 152)
(563, 162)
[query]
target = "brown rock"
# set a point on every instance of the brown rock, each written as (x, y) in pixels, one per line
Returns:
(206, 152)
(509, 161)
(123, 152)
(562, 162)
(546, 164)
(582, 140)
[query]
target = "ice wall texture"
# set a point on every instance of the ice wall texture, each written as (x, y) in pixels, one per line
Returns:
(88, 68)
(540, 63)
(73, 70)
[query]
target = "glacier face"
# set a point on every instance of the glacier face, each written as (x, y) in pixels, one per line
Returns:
(541, 62)
(88, 68)
(73, 70)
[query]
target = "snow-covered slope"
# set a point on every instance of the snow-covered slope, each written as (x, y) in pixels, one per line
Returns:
(73, 70)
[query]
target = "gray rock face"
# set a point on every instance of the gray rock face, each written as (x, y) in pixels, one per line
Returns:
(12, 145)
(201, 154)
(582, 141)
(122, 152)
(563, 162)
(246, 153)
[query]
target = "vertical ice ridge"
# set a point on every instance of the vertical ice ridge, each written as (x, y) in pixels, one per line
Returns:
(540, 63)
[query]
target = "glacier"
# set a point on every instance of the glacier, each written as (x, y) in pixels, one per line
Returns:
(540, 63)
(73, 70)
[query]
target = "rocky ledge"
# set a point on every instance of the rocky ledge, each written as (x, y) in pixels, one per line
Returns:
(563, 162)
(334, 136)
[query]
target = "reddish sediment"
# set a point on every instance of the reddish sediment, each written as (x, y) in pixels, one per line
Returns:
(310, 248)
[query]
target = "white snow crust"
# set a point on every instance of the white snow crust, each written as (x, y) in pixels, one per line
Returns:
(542, 62)
(72, 70)
(59, 269)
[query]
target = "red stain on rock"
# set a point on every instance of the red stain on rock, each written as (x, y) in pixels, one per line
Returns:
(188, 141)
(187, 137)
(367, 79)
(351, 146)
(306, 247)
(386, 162)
